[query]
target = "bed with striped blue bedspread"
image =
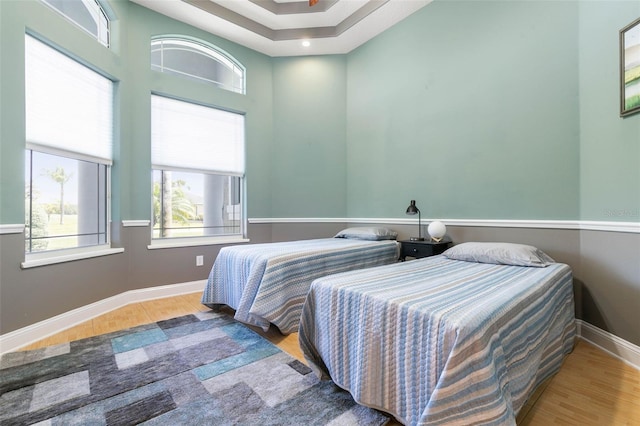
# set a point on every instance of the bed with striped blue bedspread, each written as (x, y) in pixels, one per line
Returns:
(439, 341)
(267, 283)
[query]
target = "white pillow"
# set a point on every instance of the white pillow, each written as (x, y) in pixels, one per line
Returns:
(500, 253)
(367, 233)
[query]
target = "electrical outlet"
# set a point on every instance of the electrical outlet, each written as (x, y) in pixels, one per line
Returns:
(199, 260)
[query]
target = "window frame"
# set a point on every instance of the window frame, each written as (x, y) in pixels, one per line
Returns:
(199, 239)
(169, 242)
(208, 50)
(97, 11)
(105, 209)
(52, 256)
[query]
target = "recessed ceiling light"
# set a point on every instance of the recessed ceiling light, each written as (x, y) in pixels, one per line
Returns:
(306, 43)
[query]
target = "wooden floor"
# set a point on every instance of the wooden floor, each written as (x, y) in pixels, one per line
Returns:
(592, 388)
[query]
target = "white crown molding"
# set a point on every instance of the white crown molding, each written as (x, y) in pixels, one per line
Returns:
(628, 227)
(19, 338)
(610, 343)
(16, 228)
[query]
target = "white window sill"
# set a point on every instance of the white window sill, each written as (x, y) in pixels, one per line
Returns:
(193, 242)
(51, 258)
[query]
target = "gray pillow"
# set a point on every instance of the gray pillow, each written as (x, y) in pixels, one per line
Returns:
(500, 253)
(367, 233)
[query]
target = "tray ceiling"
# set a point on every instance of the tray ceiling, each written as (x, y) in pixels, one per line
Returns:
(278, 27)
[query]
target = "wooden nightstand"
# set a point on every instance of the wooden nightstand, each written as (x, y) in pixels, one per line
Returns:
(419, 249)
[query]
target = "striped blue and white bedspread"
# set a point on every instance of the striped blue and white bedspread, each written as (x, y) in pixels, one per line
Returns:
(439, 341)
(267, 283)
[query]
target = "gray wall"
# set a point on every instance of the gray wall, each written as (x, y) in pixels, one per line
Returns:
(605, 265)
(609, 272)
(606, 270)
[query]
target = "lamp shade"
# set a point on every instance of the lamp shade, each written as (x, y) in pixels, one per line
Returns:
(437, 230)
(413, 209)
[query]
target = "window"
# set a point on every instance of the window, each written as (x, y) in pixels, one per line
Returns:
(197, 153)
(198, 61)
(69, 116)
(87, 14)
(66, 203)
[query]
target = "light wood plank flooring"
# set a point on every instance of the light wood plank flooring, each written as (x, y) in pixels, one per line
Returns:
(592, 388)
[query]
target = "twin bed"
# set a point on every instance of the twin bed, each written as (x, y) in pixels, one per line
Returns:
(460, 338)
(268, 283)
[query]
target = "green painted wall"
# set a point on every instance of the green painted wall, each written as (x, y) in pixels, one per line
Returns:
(471, 108)
(308, 161)
(609, 145)
(128, 63)
(489, 110)
(35, 17)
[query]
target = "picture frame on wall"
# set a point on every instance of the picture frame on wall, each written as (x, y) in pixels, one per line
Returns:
(630, 69)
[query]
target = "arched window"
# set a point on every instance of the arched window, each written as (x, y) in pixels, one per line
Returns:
(87, 14)
(197, 60)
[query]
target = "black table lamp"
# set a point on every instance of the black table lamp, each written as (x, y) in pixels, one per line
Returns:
(411, 210)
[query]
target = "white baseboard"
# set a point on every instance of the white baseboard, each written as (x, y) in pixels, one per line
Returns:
(19, 338)
(610, 343)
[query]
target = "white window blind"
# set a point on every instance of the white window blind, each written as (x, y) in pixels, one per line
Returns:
(194, 137)
(69, 107)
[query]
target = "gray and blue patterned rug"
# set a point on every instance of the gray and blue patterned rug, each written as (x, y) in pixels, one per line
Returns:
(193, 370)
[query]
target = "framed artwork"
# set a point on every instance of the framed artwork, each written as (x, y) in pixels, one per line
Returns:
(630, 69)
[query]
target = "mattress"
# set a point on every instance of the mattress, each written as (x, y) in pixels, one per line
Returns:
(267, 283)
(439, 341)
